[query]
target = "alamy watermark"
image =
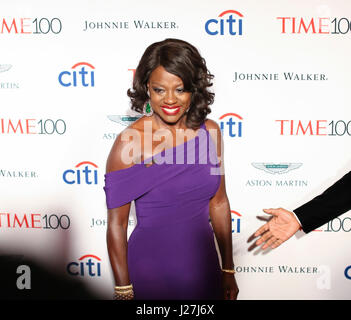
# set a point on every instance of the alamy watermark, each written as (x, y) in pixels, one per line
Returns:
(132, 151)
(24, 280)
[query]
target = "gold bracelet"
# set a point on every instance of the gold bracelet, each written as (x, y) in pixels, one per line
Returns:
(232, 271)
(124, 292)
(124, 296)
(129, 286)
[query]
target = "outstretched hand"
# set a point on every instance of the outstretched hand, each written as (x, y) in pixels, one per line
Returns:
(281, 227)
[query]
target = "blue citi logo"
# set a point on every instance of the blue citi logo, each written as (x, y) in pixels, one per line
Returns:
(233, 25)
(78, 77)
(236, 221)
(82, 174)
(87, 265)
(231, 125)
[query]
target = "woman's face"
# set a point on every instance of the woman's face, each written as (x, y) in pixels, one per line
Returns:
(168, 99)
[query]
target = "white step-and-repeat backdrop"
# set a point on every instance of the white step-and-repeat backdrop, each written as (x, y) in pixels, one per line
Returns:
(282, 82)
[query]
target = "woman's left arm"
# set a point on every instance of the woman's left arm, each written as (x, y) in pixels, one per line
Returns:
(221, 221)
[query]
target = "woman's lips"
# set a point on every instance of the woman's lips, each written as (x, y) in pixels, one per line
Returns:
(170, 111)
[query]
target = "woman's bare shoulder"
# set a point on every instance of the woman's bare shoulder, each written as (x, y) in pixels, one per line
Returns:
(126, 149)
(216, 134)
(211, 124)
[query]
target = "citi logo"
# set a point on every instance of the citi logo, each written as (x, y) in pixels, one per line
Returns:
(231, 124)
(229, 22)
(80, 75)
(82, 174)
(236, 221)
(87, 265)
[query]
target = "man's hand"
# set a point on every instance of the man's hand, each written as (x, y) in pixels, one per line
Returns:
(282, 226)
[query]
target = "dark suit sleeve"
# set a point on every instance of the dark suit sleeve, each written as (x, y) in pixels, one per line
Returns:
(333, 202)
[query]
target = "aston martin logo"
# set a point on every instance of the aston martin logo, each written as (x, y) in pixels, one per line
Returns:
(124, 120)
(5, 67)
(274, 168)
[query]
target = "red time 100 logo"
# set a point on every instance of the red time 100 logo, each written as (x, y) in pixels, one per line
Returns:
(29, 126)
(314, 127)
(24, 25)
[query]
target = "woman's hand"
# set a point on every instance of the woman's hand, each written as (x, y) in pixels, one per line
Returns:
(230, 287)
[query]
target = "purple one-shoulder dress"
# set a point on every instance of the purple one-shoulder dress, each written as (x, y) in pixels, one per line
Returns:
(171, 252)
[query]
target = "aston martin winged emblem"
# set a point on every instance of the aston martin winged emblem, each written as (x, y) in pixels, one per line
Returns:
(274, 168)
(5, 67)
(124, 120)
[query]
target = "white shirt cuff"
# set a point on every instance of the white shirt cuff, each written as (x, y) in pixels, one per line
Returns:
(297, 219)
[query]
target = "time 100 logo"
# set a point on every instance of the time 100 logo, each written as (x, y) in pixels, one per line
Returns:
(32, 126)
(339, 224)
(30, 26)
(49, 126)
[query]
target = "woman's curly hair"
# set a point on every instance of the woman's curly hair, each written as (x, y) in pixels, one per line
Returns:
(183, 60)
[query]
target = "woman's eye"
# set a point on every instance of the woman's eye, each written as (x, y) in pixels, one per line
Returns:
(180, 90)
(158, 90)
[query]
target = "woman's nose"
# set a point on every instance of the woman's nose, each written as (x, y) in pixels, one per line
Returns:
(170, 98)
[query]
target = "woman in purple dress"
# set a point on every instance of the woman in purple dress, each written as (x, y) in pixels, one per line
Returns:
(170, 162)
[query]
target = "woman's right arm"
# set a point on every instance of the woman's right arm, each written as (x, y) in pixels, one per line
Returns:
(116, 236)
(117, 222)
